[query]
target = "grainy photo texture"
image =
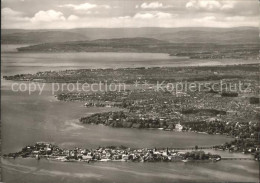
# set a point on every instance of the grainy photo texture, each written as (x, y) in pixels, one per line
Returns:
(123, 91)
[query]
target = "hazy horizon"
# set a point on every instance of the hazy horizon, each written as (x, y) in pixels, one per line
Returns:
(135, 28)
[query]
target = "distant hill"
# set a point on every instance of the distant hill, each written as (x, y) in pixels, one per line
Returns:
(138, 44)
(238, 35)
(179, 35)
(151, 45)
(128, 41)
(37, 37)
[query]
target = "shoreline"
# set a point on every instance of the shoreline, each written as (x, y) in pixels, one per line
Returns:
(111, 153)
(122, 154)
(257, 63)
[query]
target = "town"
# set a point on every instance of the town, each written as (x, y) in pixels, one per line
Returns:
(151, 75)
(111, 153)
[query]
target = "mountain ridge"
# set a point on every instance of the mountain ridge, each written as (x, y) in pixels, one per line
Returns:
(175, 35)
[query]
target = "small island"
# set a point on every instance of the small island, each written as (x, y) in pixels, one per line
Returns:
(111, 153)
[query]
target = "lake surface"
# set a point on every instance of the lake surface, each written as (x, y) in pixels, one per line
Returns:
(27, 119)
(13, 62)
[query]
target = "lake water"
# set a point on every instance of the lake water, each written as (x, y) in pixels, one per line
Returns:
(13, 62)
(27, 119)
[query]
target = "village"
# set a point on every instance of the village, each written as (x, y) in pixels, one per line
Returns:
(111, 153)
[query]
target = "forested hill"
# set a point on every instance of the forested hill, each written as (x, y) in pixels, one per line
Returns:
(238, 35)
(40, 37)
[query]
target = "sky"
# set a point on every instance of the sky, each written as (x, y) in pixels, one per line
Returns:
(67, 14)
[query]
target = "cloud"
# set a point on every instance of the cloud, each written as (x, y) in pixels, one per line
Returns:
(73, 17)
(228, 5)
(210, 5)
(85, 6)
(151, 15)
(145, 19)
(235, 18)
(124, 18)
(154, 13)
(144, 15)
(152, 5)
(10, 15)
(8, 12)
(48, 16)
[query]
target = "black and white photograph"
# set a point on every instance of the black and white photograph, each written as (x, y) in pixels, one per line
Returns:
(130, 91)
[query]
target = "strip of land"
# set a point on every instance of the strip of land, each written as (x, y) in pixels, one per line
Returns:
(150, 45)
(111, 153)
(152, 75)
